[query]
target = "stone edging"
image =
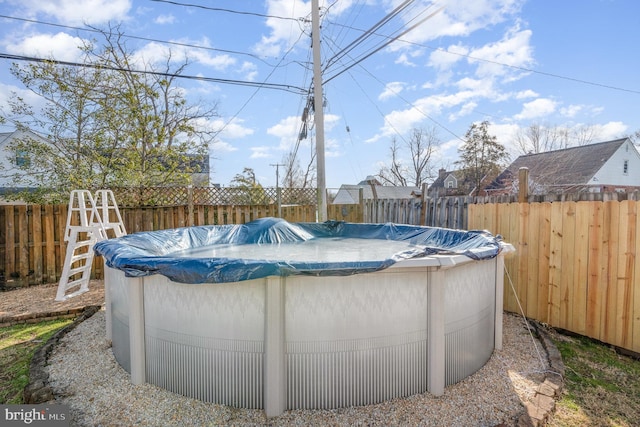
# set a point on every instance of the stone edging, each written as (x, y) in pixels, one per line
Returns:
(538, 410)
(38, 389)
(40, 317)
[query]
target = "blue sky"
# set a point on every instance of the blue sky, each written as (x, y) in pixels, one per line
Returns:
(570, 64)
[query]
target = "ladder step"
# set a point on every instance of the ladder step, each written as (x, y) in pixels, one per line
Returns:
(75, 283)
(73, 294)
(81, 257)
(84, 268)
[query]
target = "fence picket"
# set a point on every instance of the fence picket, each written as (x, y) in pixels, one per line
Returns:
(543, 237)
(555, 263)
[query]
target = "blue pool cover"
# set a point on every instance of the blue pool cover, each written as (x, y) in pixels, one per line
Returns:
(274, 247)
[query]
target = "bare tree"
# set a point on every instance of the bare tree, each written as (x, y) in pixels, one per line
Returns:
(540, 138)
(294, 175)
(419, 148)
(394, 173)
(635, 137)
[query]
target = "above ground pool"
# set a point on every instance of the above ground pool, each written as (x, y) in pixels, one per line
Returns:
(281, 316)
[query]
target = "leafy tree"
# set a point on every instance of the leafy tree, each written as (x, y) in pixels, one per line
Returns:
(248, 190)
(481, 155)
(419, 148)
(111, 122)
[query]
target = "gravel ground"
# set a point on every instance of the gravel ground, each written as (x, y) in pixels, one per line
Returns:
(85, 375)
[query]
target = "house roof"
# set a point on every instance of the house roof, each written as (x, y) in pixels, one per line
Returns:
(570, 166)
(349, 194)
(439, 181)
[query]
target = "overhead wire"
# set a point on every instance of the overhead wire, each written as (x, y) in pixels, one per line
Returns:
(221, 9)
(283, 87)
(90, 29)
(366, 55)
(367, 34)
(356, 61)
(264, 84)
(490, 61)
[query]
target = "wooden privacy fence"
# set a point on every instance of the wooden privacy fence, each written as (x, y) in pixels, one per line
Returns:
(576, 265)
(447, 212)
(32, 247)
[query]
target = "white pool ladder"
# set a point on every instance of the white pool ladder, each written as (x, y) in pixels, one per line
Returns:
(89, 221)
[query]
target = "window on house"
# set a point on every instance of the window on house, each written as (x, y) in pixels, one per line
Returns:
(22, 159)
(625, 167)
(450, 184)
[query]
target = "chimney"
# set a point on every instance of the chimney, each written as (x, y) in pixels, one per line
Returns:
(441, 172)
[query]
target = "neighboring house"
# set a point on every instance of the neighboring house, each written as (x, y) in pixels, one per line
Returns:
(602, 167)
(373, 189)
(10, 162)
(450, 183)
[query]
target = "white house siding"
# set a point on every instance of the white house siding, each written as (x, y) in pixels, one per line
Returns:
(612, 173)
(8, 170)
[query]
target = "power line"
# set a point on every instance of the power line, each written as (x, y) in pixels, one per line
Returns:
(529, 70)
(517, 67)
(283, 87)
(95, 30)
(359, 40)
(391, 40)
(220, 9)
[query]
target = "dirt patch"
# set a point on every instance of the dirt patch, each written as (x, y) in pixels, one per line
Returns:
(36, 303)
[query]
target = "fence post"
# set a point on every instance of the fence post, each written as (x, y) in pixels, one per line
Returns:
(191, 221)
(361, 204)
(423, 209)
(523, 185)
(279, 201)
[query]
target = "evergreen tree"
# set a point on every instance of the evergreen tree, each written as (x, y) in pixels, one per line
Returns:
(481, 156)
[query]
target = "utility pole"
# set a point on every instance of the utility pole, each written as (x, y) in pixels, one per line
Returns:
(278, 198)
(318, 111)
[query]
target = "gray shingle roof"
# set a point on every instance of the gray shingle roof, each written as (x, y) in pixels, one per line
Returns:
(570, 166)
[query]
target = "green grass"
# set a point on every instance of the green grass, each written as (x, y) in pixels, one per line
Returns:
(18, 343)
(602, 387)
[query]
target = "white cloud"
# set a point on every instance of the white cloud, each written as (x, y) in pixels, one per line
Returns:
(466, 109)
(391, 89)
(79, 12)
(403, 59)
(528, 93)
(459, 18)
(513, 50)
(443, 59)
(287, 130)
(611, 130)
(232, 130)
(155, 53)
(60, 46)
(262, 152)
(220, 146)
(538, 108)
(571, 110)
(283, 33)
(165, 19)
(249, 70)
